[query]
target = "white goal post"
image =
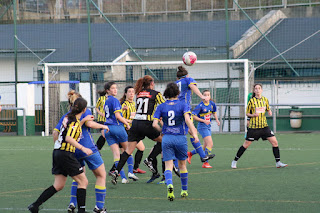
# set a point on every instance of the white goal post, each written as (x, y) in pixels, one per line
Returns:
(247, 66)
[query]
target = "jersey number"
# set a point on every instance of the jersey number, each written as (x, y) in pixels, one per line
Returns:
(142, 103)
(179, 85)
(171, 121)
(106, 109)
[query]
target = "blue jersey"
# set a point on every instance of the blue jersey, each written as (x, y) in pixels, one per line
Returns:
(185, 90)
(111, 106)
(172, 114)
(86, 139)
(204, 111)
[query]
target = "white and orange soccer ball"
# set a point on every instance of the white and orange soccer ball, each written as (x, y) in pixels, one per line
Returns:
(189, 58)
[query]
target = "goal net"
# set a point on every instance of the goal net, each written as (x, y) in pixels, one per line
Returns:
(227, 80)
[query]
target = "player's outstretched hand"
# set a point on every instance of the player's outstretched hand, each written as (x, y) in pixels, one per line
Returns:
(106, 128)
(87, 151)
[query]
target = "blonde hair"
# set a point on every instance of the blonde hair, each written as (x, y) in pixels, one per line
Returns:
(73, 96)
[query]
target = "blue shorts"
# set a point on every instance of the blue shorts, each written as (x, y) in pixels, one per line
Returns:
(204, 132)
(174, 147)
(117, 134)
(93, 161)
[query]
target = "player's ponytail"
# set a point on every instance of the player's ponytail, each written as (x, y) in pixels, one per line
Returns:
(72, 96)
(182, 72)
(108, 85)
(78, 106)
(143, 83)
(124, 97)
(171, 91)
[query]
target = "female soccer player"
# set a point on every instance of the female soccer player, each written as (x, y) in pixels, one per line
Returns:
(101, 117)
(94, 161)
(202, 113)
(64, 161)
(128, 112)
(258, 127)
(175, 115)
(147, 101)
(117, 134)
(186, 86)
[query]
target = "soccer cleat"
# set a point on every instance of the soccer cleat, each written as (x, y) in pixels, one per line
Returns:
(189, 157)
(114, 176)
(207, 157)
(124, 181)
(33, 208)
(71, 208)
(139, 171)
(279, 164)
(132, 176)
(170, 195)
(206, 165)
(153, 177)
(176, 170)
(97, 210)
(234, 164)
(184, 193)
(162, 181)
(149, 165)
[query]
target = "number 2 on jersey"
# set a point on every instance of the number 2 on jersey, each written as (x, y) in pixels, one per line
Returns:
(171, 121)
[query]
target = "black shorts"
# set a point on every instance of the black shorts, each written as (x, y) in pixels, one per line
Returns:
(141, 129)
(256, 134)
(65, 163)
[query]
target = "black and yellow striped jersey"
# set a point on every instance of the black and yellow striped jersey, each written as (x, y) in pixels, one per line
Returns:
(147, 102)
(73, 129)
(100, 105)
(260, 106)
(130, 112)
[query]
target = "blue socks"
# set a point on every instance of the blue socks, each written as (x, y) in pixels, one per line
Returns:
(130, 164)
(73, 198)
(168, 177)
(198, 148)
(184, 180)
(100, 196)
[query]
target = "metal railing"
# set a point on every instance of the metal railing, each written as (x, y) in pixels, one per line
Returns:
(24, 118)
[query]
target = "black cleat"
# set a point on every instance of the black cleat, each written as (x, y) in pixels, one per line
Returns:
(149, 165)
(71, 208)
(114, 176)
(207, 157)
(176, 170)
(33, 208)
(153, 177)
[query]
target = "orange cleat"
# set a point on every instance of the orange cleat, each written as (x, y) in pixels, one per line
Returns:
(206, 165)
(139, 171)
(189, 157)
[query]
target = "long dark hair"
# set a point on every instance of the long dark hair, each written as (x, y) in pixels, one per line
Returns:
(78, 106)
(143, 83)
(182, 72)
(171, 91)
(254, 86)
(125, 93)
(106, 87)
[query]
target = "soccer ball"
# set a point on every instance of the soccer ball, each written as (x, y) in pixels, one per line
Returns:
(189, 58)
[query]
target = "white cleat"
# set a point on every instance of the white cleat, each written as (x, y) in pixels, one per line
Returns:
(133, 176)
(234, 164)
(279, 164)
(124, 181)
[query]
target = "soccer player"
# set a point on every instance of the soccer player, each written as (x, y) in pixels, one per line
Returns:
(117, 134)
(202, 113)
(94, 161)
(186, 86)
(128, 112)
(147, 100)
(101, 117)
(175, 115)
(64, 161)
(258, 127)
